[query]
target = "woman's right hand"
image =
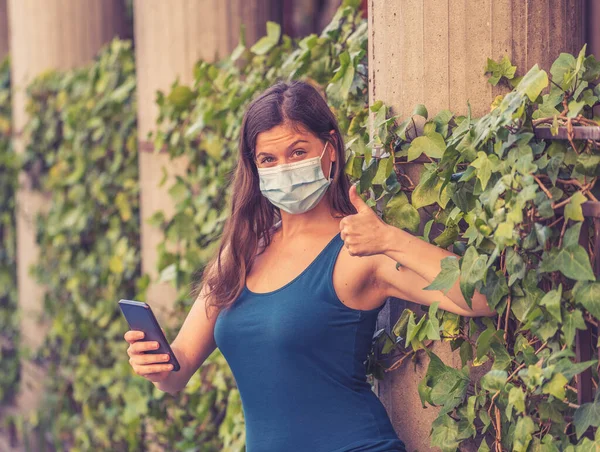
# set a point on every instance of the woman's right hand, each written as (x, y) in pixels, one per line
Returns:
(151, 366)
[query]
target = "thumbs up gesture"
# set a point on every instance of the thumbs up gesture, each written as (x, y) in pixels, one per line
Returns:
(363, 233)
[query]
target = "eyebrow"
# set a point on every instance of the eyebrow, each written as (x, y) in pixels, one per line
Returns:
(288, 148)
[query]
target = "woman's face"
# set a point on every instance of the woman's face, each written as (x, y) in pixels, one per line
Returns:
(284, 144)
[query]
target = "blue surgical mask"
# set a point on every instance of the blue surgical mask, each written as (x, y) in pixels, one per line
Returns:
(295, 187)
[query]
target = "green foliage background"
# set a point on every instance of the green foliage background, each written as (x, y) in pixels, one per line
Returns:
(510, 206)
(9, 325)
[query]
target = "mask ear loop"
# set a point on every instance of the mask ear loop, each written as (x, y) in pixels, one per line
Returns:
(328, 177)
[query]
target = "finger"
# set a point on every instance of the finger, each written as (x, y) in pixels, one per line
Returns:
(357, 201)
(142, 346)
(133, 335)
(153, 369)
(137, 360)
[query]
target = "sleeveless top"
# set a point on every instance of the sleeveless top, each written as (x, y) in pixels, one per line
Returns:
(298, 357)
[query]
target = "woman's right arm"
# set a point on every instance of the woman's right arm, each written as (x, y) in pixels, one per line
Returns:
(193, 344)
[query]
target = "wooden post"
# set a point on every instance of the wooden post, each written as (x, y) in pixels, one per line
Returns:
(435, 53)
(45, 34)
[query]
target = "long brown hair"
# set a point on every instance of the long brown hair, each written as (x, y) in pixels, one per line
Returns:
(252, 215)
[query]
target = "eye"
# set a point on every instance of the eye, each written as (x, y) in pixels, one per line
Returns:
(299, 152)
(266, 160)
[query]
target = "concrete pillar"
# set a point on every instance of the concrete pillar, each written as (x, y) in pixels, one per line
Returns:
(189, 30)
(45, 34)
(3, 30)
(434, 52)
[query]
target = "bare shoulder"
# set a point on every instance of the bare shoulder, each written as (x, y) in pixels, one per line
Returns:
(355, 283)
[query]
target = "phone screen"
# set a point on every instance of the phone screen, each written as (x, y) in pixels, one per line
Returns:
(140, 317)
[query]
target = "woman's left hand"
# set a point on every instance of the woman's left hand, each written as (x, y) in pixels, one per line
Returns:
(363, 233)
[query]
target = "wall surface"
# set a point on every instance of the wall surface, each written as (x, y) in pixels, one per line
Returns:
(434, 52)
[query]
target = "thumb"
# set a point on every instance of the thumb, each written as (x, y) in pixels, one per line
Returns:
(357, 201)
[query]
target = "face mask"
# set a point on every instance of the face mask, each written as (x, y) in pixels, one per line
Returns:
(295, 187)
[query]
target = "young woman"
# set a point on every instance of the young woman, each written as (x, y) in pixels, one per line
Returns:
(292, 296)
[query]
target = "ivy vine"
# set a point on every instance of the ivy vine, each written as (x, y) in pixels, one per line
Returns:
(9, 323)
(511, 206)
(508, 203)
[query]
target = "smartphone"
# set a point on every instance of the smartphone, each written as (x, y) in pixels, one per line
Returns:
(140, 317)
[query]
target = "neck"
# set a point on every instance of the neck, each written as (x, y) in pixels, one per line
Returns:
(317, 220)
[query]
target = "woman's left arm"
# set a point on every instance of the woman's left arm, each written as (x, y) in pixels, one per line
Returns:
(365, 234)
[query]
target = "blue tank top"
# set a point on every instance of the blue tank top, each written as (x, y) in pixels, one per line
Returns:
(297, 355)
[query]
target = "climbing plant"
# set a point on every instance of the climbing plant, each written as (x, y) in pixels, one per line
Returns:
(508, 203)
(82, 154)
(511, 206)
(9, 325)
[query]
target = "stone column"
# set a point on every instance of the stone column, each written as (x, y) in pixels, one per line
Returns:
(45, 34)
(3, 29)
(434, 52)
(170, 38)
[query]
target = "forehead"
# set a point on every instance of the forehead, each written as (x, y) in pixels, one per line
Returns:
(279, 137)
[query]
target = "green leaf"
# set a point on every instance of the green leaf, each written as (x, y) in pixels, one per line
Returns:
(472, 271)
(420, 110)
(533, 83)
(516, 398)
(574, 263)
(588, 164)
(523, 433)
(552, 302)
(572, 234)
(484, 166)
(466, 352)
(556, 386)
(432, 326)
(494, 380)
(412, 329)
(564, 71)
(401, 325)
(181, 96)
(495, 288)
(447, 276)
(266, 43)
(588, 295)
(444, 434)
(573, 320)
(500, 69)
(432, 145)
(448, 236)
(588, 414)
(484, 341)
(427, 190)
(573, 208)
(515, 266)
(399, 213)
